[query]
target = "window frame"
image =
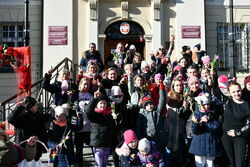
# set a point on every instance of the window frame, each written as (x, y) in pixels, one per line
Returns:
(14, 40)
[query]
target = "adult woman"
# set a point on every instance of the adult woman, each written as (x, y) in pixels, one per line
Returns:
(64, 89)
(236, 114)
(178, 113)
(29, 120)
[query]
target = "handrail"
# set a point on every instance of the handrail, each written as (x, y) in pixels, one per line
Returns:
(36, 83)
(38, 87)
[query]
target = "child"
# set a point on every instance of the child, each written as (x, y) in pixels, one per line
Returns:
(128, 151)
(148, 154)
(150, 123)
(154, 87)
(205, 144)
(137, 63)
(83, 136)
(103, 128)
(136, 88)
(60, 137)
(92, 75)
(145, 70)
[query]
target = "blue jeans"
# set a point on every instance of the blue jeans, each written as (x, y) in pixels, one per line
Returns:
(101, 156)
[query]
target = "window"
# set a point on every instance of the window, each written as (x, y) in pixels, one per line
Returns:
(12, 35)
(241, 50)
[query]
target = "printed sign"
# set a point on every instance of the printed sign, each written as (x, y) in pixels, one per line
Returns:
(58, 35)
(124, 28)
(191, 32)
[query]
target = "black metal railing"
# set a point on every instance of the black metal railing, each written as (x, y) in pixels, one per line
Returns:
(42, 96)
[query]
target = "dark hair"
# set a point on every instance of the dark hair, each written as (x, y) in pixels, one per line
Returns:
(192, 67)
(92, 43)
(182, 59)
(139, 76)
(29, 102)
(233, 83)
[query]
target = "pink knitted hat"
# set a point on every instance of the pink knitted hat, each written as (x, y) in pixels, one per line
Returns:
(129, 136)
(192, 79)
(178, 68)
(247, 79)
(158, 76)
(205, 59)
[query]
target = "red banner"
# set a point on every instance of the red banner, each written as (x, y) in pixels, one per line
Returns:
(190, 32)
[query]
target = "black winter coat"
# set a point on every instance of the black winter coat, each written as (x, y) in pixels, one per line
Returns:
(55, 88)
(91, 56)
(29, 124)
(103, 127)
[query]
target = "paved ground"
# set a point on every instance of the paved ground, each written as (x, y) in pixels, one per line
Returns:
(88, 159)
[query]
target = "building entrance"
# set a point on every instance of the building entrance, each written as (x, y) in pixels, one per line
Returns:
(114, 36)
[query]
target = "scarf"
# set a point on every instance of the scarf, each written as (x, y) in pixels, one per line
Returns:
(64, 86)
(61, 124)
(104, 112)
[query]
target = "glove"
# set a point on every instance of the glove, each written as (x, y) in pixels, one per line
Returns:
(114, 115)
(129, 105)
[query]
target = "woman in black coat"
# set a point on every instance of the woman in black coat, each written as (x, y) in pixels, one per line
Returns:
(29, 120)
(64, 90)
(236, 126)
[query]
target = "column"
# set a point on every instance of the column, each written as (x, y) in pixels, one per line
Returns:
(93, 22)
(157, 38)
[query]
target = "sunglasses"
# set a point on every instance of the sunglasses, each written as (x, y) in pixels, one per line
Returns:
(117, 96)
(178, 72)
(161, 48)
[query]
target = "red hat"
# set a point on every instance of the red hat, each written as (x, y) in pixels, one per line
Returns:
(247, 80)
(178, 68)
(129, 136)
(146, 100)
(223, 81)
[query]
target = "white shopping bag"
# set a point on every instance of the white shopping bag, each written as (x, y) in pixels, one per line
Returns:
(32, 163)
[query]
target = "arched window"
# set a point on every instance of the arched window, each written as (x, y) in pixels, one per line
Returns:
(113, 31)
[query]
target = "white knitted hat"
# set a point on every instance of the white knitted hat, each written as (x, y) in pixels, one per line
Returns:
(59, 110)
(203, 99)
(144, 145)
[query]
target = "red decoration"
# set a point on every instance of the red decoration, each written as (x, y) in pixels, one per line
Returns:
(19, 58)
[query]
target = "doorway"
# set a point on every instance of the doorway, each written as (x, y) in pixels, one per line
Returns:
(114, 36)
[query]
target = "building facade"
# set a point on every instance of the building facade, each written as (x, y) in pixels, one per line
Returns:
(64, 28)
(12, 33)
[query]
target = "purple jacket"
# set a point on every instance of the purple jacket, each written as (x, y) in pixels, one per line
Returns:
(153, 157)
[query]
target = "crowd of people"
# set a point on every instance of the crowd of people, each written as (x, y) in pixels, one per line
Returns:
(153, 113)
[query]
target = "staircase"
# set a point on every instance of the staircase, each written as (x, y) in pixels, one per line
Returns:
(43, 97)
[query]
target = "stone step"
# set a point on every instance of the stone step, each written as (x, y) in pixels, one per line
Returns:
(88, 158)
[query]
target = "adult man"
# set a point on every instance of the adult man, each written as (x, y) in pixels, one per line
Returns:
(91, 54)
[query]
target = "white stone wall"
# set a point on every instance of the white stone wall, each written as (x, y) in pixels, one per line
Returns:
(57, 13)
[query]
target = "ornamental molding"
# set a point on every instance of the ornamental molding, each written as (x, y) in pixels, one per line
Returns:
(93, 9)
(124, 6)
(157, 9)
